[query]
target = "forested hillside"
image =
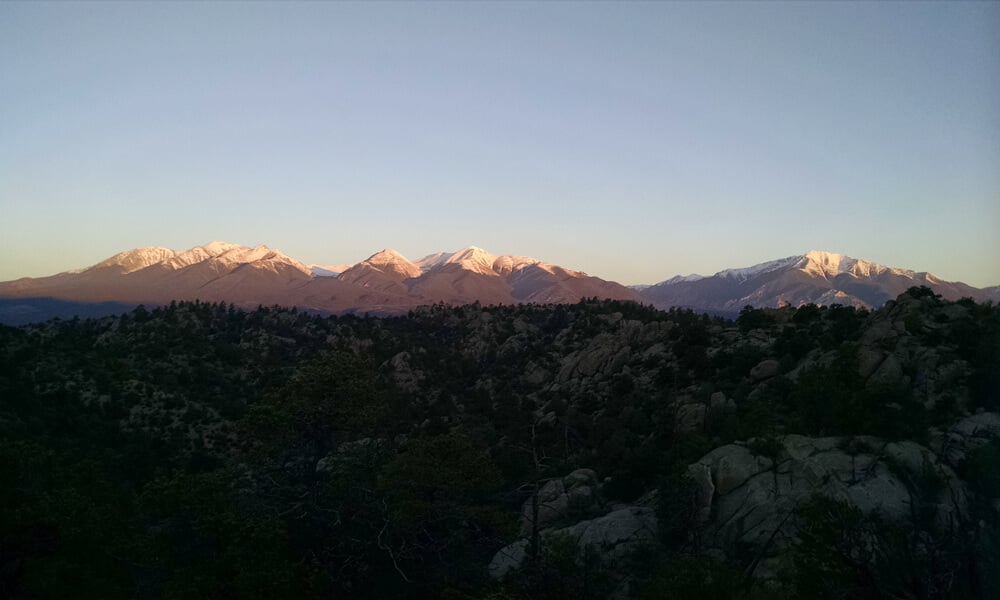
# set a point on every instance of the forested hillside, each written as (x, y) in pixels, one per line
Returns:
(602, 449)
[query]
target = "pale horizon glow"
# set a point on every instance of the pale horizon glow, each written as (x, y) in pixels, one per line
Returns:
(631, 141)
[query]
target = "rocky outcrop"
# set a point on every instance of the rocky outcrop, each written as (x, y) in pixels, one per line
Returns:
(508, 559)
(610, 352)
(718, 403)
(605, 355)
(690, 417)
(748, 494)
(615, 536)
(574, 496)
(900, 347)
(905, 345)
(766, 369)
(968, 434)
(403, 374)
(571, 508)
(889, 372)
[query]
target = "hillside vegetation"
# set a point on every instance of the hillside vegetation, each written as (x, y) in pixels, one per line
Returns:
(595, 450)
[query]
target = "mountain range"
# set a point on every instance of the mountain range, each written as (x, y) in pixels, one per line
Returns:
(389, 283)
(384, 283)
(815, 277)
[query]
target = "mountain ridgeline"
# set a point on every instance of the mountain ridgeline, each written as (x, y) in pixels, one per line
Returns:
(598, 449)
(385, 283)
(389, 283)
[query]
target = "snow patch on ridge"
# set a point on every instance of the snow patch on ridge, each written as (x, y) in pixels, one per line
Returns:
(685, 278)
(765, 267)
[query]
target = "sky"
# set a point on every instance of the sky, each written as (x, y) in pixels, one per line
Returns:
(633, 141)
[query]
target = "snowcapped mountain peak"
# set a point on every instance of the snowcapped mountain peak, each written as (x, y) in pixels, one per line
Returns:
(473, 259)
(230, 256)
(243, 254)
(216, 248)
(817, 263)
(828, 264)
(387, 257)
(814, 277)
(136, 259)
(825, 264)
(470, 258)
(386, 261)
(471, 252)
(198, 254)
(828, 258)
(224, 254)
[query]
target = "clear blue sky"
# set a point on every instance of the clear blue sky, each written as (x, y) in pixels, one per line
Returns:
(634, 141)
